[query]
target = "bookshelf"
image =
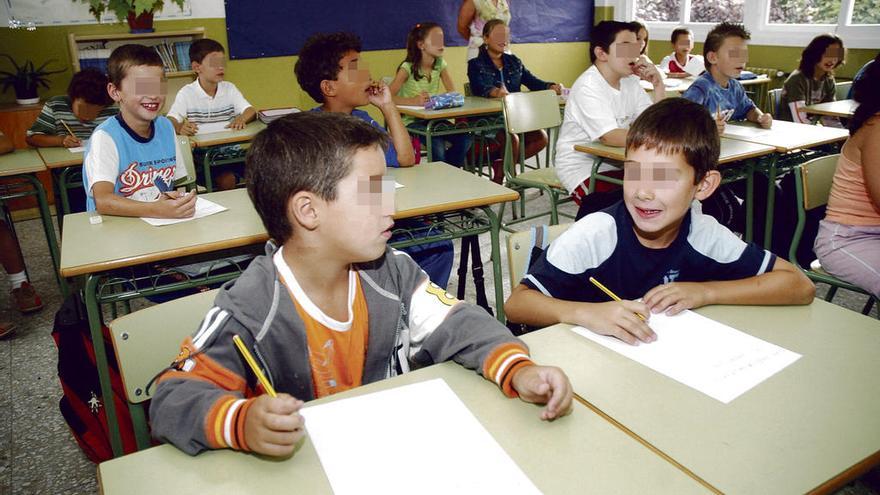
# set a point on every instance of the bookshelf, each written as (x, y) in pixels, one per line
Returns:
(79, 42)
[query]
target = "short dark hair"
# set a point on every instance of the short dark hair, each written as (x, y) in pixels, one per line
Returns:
(678, 32)
(718, 34)
(678, 125)
(319, 60)
(604, 33)
(90, 85)
(307, 151)
(200, 49)
(812, 54)
(490, 25)
(127, 56)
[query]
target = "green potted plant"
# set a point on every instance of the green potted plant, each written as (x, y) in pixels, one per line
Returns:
(25, 79)
(139, 13)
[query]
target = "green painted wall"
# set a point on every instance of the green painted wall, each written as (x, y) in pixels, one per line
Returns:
(270, 82)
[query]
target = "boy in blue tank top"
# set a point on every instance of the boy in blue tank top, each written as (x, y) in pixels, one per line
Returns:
(129, 155)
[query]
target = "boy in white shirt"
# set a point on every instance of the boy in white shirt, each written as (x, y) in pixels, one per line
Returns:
(210, 99)
(682, 45)
(604, 101)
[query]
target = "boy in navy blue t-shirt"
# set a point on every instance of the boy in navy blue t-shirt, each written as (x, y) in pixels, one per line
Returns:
(726, 52)
(656, 244)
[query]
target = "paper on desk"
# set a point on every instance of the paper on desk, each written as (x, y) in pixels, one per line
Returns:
(417, 438)
(695, 66)
(715, 359)
(744, 131)
(204, 208)
(210, 127)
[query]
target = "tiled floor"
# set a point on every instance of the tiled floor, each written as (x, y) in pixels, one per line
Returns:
(37, 453)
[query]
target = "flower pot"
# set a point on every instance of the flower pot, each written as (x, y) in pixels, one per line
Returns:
(27, 101)
(26, 93)
(142, 23)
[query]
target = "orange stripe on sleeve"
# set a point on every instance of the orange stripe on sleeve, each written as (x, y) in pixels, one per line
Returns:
(214, 421)
(503, 362)
(239, 426)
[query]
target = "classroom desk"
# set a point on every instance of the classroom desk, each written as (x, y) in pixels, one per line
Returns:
(580, 452)
(732, 151)
(785, 137)
(66, 169)
(813, 426)
(18, 171)
(213, 143)
(839, 108)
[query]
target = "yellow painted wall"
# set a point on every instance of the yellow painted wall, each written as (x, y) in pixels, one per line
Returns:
(270, 82)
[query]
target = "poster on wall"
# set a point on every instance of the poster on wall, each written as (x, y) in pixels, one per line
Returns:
(274, 28)
(61, 12)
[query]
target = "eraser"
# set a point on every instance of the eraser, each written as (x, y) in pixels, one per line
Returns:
(95, 219)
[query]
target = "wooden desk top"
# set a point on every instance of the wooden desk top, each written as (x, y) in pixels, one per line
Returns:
(578, 453)
(228, 137)
(437, 187)
(21, 161)
(731, 150)
(57, 157)
(840, 108)
(126, 241)
(793, 433)
(785, 136)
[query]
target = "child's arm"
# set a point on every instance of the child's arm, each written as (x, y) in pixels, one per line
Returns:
(243, 108)
(397, 83)
(42, 132)
(544, 385)
(107, 202)
(765, 120)
(447, 81)
(465, 16)
(185, 127)
(784, 285)
(242, 119)
(617, 319)
(380, 96)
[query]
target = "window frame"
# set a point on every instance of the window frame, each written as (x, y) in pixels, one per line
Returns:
(755, 18)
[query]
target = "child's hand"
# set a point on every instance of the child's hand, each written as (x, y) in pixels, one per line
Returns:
(177, 205)
(188, 129)
(423, 98)
(647, 71)
(544, 385)
(557, 87)
(237, 123)
(617, 319)
(273, 425)
(379, 94)
(765, 120)
(498, 93)
(720, 122)
(71, 141)
(675, 297)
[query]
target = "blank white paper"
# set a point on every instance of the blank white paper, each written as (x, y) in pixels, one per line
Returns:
(695, 66)
(745, 131)
(417, 438)
(204, 208)
(211, 127)
(709, 356)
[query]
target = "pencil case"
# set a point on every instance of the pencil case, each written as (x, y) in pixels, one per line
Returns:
(445, 100)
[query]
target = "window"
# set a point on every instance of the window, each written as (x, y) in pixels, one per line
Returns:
(804, 11)
(659, 10)
(865, 12)
(716, 11)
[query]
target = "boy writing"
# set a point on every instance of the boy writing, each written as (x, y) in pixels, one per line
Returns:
(331, 71)
(85, 106)
(656, 244)
(726, 52)
(210, 99)
(131, 156)
(682, 44)
(332, 308)
(604, 101)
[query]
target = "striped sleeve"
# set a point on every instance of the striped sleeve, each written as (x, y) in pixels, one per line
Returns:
(224, 424)
(45, 123)
(502, 364)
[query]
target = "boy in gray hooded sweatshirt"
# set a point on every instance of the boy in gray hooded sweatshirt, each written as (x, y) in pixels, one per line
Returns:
(332, 308)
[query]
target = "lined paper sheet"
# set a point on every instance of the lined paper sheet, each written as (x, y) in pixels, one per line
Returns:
(204, 208)
(417, 438)
(713, 358)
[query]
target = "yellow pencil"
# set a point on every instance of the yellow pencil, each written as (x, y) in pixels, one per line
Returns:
(612, 295)
(68, 130)
(253, 364)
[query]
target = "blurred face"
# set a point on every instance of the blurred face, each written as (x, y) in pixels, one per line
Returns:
(433, 44)
(658, 190)
(683, 46)
(84, 111)
(357, 225)
(731, 57)
(353, 81)
(212, 68)
(498, 39)
(622, 54)
(642, 36)
(832, 56)
(141, 95)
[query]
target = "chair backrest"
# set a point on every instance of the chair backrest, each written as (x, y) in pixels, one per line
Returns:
(816, 176)
(467, 89)
(520, 244)
(531, 111)
(774, 96)
(841, 90)
(147, 341)
(186, 150)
